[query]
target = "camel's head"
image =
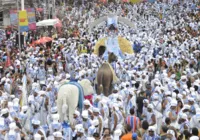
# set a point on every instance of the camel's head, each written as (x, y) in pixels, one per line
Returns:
(112, 58)
(87, 87)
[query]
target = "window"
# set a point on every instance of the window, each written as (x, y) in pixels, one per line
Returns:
(1, 16)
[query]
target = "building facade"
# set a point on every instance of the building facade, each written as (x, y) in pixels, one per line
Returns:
(6, 6)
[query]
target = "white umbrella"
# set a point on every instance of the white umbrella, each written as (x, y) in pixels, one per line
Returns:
(48, 22)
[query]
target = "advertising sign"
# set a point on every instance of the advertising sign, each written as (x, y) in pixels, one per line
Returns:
(13, 17)
(23, 21)
(31, 18)
(30, 15)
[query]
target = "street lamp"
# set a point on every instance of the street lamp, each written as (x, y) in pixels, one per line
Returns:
(19, 34)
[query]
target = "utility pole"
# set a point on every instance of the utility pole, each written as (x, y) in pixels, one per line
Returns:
(19, 34)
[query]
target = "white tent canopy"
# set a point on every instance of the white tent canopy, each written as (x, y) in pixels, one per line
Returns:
(47, 22)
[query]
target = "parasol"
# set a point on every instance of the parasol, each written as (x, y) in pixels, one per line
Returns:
(58, 24)
(43, 40)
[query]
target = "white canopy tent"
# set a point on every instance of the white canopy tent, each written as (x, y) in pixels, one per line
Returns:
(47, 22)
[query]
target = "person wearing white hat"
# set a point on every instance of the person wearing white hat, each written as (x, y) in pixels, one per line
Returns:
(171, 113)
(97, 101)
(7, 86)
(86, 104)
(12, 134)
(37, 137)
(156, 102)
(131, 101)
(6, 119)
(80, 133)
(55, 125)
(117, 119)
(104, 110)
(144, 109)
(36, 128)
(117, 134)
(86, 120)
(171, 134)
(54, 110)
(41, 73)
(195, 120)
(43, 107)
(97, 116)
(151, 134)
(58, 135)
(184, 123)
(151, 116)
(93, 128)
(183, 80)
(12, 112)
(77, 118)
(193, 106)
(23, 116)
(50, 93)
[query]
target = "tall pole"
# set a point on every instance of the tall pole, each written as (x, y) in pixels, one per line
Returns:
(49, 9)
(19, 34)
(22, 4)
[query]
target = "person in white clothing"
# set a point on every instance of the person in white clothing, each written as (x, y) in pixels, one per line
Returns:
(13, 133)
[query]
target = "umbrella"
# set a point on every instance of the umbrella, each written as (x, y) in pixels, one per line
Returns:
(43, 40)
(48, 22)
(58, 24)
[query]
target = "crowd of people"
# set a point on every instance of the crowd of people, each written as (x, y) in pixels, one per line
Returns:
(157, 97)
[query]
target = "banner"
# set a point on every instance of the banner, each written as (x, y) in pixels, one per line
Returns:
(30, 15)
(23, 21)
(13, 17)
(31, 18)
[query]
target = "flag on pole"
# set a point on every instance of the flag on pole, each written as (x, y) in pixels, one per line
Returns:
(23, 100)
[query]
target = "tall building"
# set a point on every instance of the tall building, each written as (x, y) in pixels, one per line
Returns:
(5, 6)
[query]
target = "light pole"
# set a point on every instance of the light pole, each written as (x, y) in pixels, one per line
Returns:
(19, 34)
